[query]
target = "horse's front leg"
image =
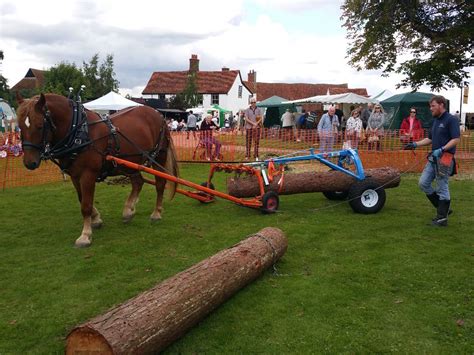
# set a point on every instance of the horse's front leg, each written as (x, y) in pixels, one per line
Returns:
(96, 221)
(87, 183)
(130, 203)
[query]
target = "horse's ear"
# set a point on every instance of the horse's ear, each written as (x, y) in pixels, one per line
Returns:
(41, 102)
(19, 98)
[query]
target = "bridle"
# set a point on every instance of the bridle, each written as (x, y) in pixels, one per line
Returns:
(48, 127)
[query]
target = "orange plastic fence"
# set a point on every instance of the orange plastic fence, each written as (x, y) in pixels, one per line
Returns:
(273, 142)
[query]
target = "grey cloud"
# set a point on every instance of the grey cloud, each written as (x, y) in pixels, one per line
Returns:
(137, 53)
(8, 8)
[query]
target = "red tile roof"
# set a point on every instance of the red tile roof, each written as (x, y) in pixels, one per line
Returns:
(174, 82)
(358, 91)
(300, 90)
(33, 79)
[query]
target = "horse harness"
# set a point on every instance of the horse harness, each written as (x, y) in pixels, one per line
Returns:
(78, 138)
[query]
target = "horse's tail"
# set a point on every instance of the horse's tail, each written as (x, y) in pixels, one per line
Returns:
(171, 164)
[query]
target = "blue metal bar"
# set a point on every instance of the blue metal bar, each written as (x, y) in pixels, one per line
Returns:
(323, 158)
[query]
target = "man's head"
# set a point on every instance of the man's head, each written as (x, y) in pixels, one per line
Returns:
(370, 106)
(191, 112)
(208, 117)
(253, 101)
(332, 111)
(437, 105)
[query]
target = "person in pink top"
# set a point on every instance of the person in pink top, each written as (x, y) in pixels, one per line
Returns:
(411, 129)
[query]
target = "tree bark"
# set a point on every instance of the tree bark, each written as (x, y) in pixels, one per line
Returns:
(310, 182)
(151, 321)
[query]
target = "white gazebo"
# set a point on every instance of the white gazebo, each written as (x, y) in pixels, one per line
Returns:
(110, 102)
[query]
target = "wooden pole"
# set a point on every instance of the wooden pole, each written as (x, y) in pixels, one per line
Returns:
(310, 182)
(151, 321)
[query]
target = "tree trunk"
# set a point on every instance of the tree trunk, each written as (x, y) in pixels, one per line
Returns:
(310, 182)
(151, 321)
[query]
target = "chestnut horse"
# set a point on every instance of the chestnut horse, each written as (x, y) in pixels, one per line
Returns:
(78, 140)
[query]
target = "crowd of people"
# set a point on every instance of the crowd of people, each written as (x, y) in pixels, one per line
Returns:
(363, 124)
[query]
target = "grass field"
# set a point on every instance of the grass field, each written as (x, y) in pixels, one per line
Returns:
(348, 283)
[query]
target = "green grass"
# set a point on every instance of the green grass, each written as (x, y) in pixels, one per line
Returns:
(348, 283)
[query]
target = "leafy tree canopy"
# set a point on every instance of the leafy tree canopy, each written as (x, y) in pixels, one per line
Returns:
(429, 42)
(98, 79)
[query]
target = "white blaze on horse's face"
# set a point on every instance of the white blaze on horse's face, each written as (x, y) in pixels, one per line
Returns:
(27, 122)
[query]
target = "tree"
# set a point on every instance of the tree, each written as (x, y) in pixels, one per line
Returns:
(58, 79)
(92, 78)
(107, 75)
(4, 89)
(177, 102)
(190, 94)
(436, 36)
(100, 80)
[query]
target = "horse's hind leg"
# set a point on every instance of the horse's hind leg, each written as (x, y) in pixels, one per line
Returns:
(129, 208)
(160, 184)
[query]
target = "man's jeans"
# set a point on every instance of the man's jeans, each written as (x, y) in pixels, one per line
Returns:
(326, 141)
(427, 177)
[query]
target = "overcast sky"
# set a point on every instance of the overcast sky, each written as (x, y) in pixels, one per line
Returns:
(283, 40)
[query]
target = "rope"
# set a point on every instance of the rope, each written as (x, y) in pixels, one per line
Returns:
(274, 254)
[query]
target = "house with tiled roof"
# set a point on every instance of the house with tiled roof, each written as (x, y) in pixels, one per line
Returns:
(34, 79)
(224, 88)
(295, 91)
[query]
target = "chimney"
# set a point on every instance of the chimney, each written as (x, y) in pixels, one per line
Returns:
(193, 63)
(225, 69)
(252, 77)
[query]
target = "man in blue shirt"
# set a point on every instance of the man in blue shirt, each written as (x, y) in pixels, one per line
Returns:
(443, 137)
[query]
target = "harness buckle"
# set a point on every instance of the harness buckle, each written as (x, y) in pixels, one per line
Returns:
(77, 141)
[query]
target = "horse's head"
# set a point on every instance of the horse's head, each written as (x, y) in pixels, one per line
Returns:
(34, 122)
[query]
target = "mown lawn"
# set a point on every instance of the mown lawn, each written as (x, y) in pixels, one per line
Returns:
(348, 283)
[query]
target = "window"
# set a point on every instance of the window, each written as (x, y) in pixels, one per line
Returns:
(201, 100)
(215, 99)
(240, 91)
(162, 96)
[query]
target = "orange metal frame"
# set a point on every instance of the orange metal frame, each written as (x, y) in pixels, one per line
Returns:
(203, 194)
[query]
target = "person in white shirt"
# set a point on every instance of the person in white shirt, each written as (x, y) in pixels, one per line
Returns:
(353, 130)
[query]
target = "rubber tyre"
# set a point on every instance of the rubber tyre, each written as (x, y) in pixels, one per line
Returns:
(336, 195)
(202, 193)
(366, 197)
(270, 202)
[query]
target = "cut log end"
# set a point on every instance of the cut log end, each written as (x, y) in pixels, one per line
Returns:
(86, 341)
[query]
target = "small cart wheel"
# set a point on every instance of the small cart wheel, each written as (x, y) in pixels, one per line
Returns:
(270, 202)
(336, 195)
(202, 193)
(367, 196)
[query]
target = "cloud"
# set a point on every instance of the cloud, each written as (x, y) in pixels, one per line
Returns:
(276, 38)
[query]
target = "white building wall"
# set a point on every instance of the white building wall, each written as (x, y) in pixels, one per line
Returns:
(231, 101)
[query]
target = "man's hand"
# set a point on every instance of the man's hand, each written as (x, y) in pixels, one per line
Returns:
(437, 152)
(410, 146)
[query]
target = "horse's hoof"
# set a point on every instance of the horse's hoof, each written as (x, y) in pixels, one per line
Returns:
(97, 225)
(155, 219)
(127, 219)
(82, 243)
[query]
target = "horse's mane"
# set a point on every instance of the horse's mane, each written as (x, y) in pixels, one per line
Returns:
(26, 105)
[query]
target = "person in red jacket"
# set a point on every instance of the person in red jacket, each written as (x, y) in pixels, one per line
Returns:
(411, 129)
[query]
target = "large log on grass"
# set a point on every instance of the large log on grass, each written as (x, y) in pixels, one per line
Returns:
(297, 183)
(154, 319)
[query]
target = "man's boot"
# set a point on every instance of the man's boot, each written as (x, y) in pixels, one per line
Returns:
(441, 219)
(434, 199)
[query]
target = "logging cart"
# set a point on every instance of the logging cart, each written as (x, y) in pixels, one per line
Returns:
(364, 194)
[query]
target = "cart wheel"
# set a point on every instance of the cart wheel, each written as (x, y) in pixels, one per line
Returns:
(202, 193)
(367, 196)
(336, 195)
(270, 202)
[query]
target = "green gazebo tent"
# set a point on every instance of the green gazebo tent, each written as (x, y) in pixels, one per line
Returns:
(222, 112)
(397, 107)
(275, 110)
